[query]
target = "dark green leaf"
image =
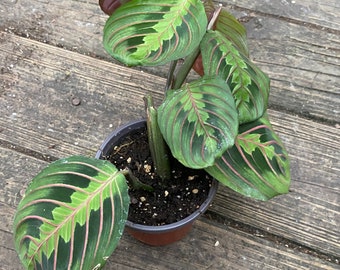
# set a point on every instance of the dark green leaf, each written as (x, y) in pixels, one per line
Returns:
(199, 121)
(72, 215)
(149, 32)
(258, 165)
(249, 85)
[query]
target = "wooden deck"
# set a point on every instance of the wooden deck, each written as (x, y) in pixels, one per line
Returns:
(51, 53)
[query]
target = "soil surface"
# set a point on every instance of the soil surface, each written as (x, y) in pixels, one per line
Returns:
(167, 203)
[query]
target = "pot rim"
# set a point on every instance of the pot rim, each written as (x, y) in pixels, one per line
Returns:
(120, 131)
(189, 219)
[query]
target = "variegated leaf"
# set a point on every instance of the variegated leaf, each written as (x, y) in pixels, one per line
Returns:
(257, 165)
(199, 121)
(149, 32)
(249, 85)
(232, 30)
(72, 215)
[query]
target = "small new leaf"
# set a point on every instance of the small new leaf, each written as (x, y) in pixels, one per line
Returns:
(232, 30)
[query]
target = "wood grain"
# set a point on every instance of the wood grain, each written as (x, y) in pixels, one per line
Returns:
(38, 110)
(208, 246)
(318, 14)
(297, 44)
(51, 54)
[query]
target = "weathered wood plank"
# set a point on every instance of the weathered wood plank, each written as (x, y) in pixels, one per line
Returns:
(200, 250)
(42, 73)
(318, 14)
(301, 59)
(236, 250)
(35, 103)
(310, 214)
(304, 72)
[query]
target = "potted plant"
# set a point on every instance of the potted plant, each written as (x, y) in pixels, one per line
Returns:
(74, 211)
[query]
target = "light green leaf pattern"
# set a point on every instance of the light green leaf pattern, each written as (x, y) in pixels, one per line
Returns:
(149, 32)
(199, 121)
(249, 85)
(257, 165)
(72, 216)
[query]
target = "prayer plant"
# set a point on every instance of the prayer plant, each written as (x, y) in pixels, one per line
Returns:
(73, 213)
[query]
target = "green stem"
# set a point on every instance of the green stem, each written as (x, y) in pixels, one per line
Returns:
(134, 182)
(184, 70)
(157, 145)
(170, 78)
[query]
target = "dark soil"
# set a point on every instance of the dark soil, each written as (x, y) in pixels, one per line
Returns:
(180, 197)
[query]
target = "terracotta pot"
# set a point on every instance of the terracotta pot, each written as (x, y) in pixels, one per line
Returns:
(154, 235)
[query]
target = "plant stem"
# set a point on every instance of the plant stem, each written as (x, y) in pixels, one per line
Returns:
(184, 70)
(157, 145)
(170, 78)
(134, 181)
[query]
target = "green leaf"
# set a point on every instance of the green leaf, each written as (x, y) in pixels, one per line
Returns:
(209, 7)
(249, 85)
(232, 30)
(199, 121)
(72, 215)
(149, 32)
(257, 165)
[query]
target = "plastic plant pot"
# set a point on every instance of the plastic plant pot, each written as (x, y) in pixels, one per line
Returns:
(154, 235)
